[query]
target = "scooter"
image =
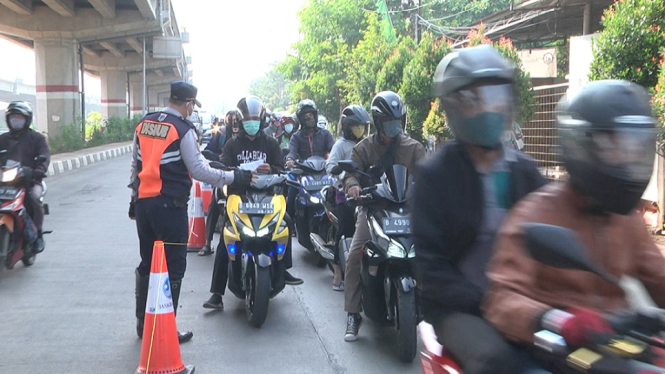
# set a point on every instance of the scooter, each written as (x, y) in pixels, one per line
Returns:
(17, 231)
(638, 347)
(387, 270)
(312, 224)
(327, 250)
(256, 236)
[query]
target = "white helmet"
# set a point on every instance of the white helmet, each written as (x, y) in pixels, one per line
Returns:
(322, 122)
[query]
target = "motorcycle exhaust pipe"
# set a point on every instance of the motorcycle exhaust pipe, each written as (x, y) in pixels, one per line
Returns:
(324, 251)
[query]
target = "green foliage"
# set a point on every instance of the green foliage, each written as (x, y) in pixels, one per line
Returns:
(68, 140)
(92, 123)
(390, 75)
(628, 47)
(416, 89)
(272, 89)
(659, 101)
(113, 130)
(436, 125)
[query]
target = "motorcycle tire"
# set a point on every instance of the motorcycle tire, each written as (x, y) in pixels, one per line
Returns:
(4, 248)
(29, 260)
(320, 261)
(407, 321)
(257, 295)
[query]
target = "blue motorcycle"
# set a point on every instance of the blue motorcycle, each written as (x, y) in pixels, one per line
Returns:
(313, 228)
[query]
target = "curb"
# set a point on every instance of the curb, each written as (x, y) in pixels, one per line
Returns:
(63, 166)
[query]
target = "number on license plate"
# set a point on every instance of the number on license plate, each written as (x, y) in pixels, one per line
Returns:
(397, 225)
(256, 208)
(7, 192)
(319, 183)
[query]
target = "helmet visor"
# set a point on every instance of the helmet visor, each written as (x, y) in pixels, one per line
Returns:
(626, 153)
(477, 99)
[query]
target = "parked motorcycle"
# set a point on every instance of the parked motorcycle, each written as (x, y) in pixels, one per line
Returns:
(312, 224)
(256, 236)
(387, 269)
(17, 231)
(638, 347)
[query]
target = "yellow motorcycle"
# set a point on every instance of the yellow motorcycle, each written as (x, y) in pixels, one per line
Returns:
(256, 237)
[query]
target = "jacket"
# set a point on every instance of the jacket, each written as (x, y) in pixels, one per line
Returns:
(366, 153)
(217, 142)
(24, 147)
(302, 147)
(447, 215)
(524, 289)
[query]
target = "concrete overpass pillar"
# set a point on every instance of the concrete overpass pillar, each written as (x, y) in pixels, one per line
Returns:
(136, 98)
(114, 94)
(58, 100)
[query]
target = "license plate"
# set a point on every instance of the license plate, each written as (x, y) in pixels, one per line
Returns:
(397, 225)
(256, 208)
(7, 193)
(316, 184)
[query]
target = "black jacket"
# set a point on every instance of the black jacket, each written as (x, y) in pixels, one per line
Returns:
(302, 147)
(24, 148)
(447, 214)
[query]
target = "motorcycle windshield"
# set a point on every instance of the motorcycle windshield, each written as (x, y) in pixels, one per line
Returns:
(396, 181)
(313, 164)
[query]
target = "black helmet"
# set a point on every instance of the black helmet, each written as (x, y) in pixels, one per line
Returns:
(353, 115)
(482, 78)
(608, 143)
(19, 107)
(389, 113)
(307, 106)
(232, 118)
(253, 115)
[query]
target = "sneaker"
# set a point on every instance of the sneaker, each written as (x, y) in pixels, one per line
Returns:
(38, 246)
(215, 302)
(291, 280)
(353, 324)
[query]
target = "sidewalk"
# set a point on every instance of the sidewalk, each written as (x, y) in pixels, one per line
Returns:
(64, 162)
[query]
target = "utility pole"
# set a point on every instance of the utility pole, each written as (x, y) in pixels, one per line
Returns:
(418, 23)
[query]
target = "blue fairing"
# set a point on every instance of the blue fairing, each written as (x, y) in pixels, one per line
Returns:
(310, 189)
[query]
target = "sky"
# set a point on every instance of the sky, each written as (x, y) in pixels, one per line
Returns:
(231, 43)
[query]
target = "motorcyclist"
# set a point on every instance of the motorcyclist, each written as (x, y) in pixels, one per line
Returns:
(269, 121)
(322, 122)
(608, 140)
(307, 142)
(373, 155)
(23, 144)
(290, 126)
(461, 195)
(275, 128)
(354, 124)
(250, 146)
(213, 151)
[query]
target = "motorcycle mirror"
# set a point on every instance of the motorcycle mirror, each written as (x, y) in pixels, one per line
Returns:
(559, 247)
(296, 172)
(348, 165)
(208, 154)
(41, 158)
(285, 152)
(218, 165)
(336, 170)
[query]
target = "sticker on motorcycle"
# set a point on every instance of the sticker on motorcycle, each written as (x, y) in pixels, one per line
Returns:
(397, 225)
(256, 208)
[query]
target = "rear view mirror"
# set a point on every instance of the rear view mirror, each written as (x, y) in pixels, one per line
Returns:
(41, 158)
(559, 247)
(296, 171)
(208, 154)
(217, 165)
(348, 165)
(285, 152)
(336, 170)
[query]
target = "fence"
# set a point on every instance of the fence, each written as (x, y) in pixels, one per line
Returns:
(541, 140)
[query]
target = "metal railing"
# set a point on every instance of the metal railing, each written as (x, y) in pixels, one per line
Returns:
(541, 139)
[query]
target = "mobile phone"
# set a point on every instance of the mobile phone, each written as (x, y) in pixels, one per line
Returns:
(583, 358)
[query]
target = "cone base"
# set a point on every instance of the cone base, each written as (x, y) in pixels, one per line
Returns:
(189, 369)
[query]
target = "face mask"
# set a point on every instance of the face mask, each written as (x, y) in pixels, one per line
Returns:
(17, 123)
(310, 122)
(189, 112)
(358, 132)
(251, 127)
(288, 128)
(392, 128)
(484, 130)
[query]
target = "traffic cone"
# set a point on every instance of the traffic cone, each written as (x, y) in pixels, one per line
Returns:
(160, 349)
(197, 222)
(206, 196)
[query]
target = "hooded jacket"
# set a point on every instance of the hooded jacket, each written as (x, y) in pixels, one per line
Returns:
(24, 147)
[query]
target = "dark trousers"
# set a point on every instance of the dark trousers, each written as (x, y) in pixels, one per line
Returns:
(220, 272)
(291, 201)
(479, 348)
(158, 218)
(34, 206)
(346, 225)
(213, 217)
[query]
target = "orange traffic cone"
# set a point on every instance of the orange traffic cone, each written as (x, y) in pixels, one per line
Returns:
(160, 350)
(206, 196)
(197, 222)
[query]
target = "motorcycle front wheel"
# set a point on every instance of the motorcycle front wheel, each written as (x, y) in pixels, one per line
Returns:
(407, 321)
(4, 248)
(257, 295)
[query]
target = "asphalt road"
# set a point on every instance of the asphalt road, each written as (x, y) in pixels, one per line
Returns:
(73, 310)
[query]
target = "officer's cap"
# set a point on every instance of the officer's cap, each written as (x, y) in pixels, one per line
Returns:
(185, 92)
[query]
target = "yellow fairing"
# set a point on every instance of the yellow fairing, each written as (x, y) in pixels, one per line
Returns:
(280, 234)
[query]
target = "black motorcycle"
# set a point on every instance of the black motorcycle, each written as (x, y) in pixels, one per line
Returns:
(387, 269)
(327, 247)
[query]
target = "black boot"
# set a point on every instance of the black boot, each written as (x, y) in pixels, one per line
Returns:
(141, 292)
(175, 292)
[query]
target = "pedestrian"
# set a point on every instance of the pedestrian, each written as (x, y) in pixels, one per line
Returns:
(165, 159)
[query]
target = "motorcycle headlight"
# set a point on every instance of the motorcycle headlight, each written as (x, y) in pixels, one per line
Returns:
(412, 251)
(382, 239)
(9, 175)
(248, 231)
(395, 249)
(314, 199)
(225, 190)
(263, 232)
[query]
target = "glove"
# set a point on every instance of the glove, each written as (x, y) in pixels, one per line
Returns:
(38, 174)
(132, 210)
(242, 178)
(579, 326)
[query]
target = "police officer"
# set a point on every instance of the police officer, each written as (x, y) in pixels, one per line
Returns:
(166, 158)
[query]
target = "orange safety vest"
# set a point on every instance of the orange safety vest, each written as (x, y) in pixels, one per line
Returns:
(160, 168)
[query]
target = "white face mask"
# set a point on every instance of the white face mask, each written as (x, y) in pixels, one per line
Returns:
(17, 123)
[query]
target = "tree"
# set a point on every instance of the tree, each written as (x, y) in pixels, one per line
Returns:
(416, 89)
(629, 45)
(272, 89)
(391, 73)
(659, 102)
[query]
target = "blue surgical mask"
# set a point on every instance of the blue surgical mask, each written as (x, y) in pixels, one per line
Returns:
(251, 127)
(288, 128)
(392, 128)
(484, 130)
